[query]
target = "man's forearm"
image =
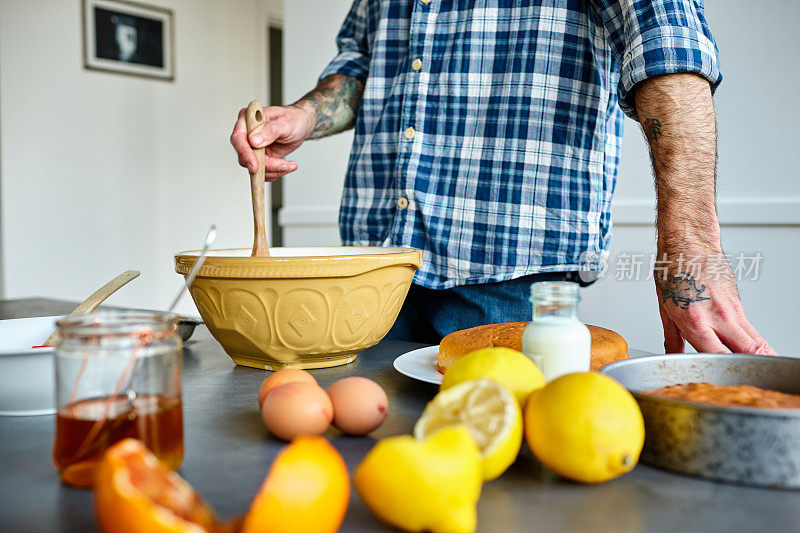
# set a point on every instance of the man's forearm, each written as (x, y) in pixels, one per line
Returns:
(335, 103)
(677, 114)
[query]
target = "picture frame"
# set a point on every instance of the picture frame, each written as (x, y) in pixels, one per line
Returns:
(128, 38)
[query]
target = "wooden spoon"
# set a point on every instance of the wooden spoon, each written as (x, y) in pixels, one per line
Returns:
(255, 118)
(96, 298)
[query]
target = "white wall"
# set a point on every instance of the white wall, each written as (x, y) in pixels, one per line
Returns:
(103, 172)
(759, 191)
(312, 192)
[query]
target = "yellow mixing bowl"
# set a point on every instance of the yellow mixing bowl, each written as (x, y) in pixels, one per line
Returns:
(302, 307)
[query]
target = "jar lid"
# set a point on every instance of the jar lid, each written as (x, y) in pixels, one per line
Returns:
(115, 323)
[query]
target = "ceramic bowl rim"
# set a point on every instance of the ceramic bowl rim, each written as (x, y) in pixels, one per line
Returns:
(305, 266)
(368, 251)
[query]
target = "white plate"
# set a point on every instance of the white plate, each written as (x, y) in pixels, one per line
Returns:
(21, 334)
(27, 385)
(420, 364)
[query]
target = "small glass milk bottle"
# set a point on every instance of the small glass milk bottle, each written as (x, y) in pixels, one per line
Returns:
(555, 339)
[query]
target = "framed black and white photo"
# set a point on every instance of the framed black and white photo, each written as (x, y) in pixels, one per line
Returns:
(129, 38)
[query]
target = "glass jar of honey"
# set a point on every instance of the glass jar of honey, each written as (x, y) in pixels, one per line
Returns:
(117, 375)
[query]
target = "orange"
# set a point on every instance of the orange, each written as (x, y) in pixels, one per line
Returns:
(134, 492)
(306, 490)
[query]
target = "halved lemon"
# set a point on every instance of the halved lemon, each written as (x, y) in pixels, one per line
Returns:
(512, 369)
(490, 412)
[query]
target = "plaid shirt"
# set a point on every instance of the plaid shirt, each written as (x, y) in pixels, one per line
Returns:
(490, 130)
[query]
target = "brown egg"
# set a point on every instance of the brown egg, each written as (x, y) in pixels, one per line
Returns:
(279, 377)
(359, 405)
(297, 408)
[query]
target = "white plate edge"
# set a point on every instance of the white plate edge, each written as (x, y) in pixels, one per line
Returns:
(418, 352)
(411, 353)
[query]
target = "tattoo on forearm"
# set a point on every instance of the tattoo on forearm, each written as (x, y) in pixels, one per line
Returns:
(681, 289)
(652, 129)
(336, 101)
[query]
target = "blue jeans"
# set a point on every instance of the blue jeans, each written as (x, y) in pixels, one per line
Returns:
(428, 315)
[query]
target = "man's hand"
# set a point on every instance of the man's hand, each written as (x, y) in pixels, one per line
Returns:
(284, 130)
(698, 299)
(330, 108)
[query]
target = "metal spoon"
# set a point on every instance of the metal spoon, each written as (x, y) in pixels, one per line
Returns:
(210, 238)
(126, 377)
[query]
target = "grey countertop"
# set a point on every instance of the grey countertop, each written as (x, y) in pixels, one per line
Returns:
(228, 453)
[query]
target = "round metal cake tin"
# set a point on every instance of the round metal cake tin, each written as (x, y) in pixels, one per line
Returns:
(746, 445)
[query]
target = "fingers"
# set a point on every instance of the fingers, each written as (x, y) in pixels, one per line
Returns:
(263, 136)
(736, 332)
(275, 165)
(268, 133)
(240, 143)
(764, 347)
(723, 337)
(738, 340)
(705, 340)
(275, 168)
(673, 340)
(272, 176)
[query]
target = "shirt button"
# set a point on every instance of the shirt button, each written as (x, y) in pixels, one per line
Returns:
(409, 133)
(402, 202)
(416, 64)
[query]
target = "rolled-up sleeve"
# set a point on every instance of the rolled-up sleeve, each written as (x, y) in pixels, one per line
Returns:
(655, 37)
(354, 57)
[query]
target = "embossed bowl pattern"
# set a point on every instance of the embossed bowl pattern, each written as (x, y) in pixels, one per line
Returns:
(302, 307)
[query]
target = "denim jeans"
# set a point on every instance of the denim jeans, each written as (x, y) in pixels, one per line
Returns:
(428, 315)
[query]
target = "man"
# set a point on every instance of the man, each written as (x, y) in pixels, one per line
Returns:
(487, 134)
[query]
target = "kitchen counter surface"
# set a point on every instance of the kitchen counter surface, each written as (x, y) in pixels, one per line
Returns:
(228, 453)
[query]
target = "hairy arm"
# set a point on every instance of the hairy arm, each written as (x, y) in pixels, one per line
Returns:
(334, 103)
(677, 115)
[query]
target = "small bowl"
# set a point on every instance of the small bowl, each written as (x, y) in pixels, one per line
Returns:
(186, 325)
(302, 307)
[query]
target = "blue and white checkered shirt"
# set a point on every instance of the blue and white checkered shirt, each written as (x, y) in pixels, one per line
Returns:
(490, 130)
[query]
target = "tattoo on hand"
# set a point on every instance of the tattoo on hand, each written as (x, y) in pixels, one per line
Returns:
(336, 101)
(652, 129)
(681, 289)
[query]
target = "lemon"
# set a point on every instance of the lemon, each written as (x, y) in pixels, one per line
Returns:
(512, 369)
(489, 411)
(423, 485)
(585, 427)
